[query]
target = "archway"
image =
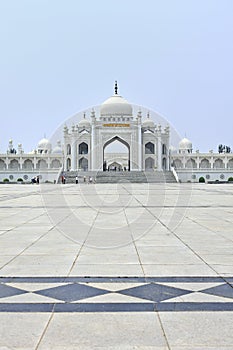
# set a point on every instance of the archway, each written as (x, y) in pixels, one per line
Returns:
(28, 164)
(191, 164)
(68, 164)
(83, 164)
(230, 164)
(68, 149)
(2, 165)
(55, 164)
(204, 164)
(42, 164)
(83, 148)
(116, 155)
(149, 164)
(149, 148)
(164, 164)
(178, 164)
(218, 164)
(14, 165)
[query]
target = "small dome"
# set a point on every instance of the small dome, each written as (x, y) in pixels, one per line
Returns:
(57, 150)
(148, 122)
(185, 144)
(84, 122)
(116, 105)
(44, 144)
(173, 149)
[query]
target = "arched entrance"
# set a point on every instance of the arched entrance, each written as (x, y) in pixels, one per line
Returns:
(83, 164)
(116, 155)
(149, 164)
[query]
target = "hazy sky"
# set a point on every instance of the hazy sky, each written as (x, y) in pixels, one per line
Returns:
(172, 56)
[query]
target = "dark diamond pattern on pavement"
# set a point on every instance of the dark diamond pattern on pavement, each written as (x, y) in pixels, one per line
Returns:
(7, 291)
(154, 292)
(224, 290)
(70, 295)
(72, 292)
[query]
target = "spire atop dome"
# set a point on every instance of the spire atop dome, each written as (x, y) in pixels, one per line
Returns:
(116, 88)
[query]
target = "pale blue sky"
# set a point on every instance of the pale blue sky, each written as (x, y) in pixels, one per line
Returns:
(172, 56)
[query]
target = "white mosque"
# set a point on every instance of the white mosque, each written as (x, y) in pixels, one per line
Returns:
(115, 138)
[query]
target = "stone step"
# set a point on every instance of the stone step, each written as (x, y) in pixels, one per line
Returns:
(122, 176)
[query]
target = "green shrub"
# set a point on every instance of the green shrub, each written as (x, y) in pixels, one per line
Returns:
(20, 179)
(230, 178)
(6, 180)
(201, 179)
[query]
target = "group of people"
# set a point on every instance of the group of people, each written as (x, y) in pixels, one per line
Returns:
(88, 180)
(36, 180)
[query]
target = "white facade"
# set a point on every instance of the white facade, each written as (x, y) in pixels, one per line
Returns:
(147, 144)
(85, 147)
(191, 166)
(15, 165)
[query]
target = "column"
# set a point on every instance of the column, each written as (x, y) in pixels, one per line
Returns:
(159, 149)
(139, 148)
(92, 153)
(73, 155)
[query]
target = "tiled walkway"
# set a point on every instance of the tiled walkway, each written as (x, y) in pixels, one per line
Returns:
(135, 266)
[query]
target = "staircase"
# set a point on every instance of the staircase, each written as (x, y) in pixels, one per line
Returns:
(71, 176)
(160, 176)
(135, 177)
(121, 176)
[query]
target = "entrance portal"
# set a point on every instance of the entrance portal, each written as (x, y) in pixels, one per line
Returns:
(116, 155)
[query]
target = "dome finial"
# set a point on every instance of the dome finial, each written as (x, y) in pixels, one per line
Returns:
(116, 88)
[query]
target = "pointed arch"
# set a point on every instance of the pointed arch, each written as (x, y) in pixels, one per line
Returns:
(83, 148)
(113, 139)
(14, 164)
(83, 164)
(230, 164)
(68, 163)
(164, 163)
(2, 165)
(204, 164)
(55, 164)
(42, 164)
(149, 148)
(28, 164)
(149, 163)
(218, 164)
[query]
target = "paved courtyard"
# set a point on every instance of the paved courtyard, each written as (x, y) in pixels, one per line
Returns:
(116, 266)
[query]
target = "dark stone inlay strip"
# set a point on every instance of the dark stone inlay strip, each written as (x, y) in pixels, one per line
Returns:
(193, 306)
(197, 279)
(114, 307)
(26, 307)
(105, 307)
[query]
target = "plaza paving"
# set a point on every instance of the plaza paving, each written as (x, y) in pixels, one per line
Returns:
(116, 266)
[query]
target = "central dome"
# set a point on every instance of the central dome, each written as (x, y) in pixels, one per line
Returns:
(116, 105)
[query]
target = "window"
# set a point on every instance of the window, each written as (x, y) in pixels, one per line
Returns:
(149, 148)
(83, 148)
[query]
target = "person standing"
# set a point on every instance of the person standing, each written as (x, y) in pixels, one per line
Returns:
(76, 180)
